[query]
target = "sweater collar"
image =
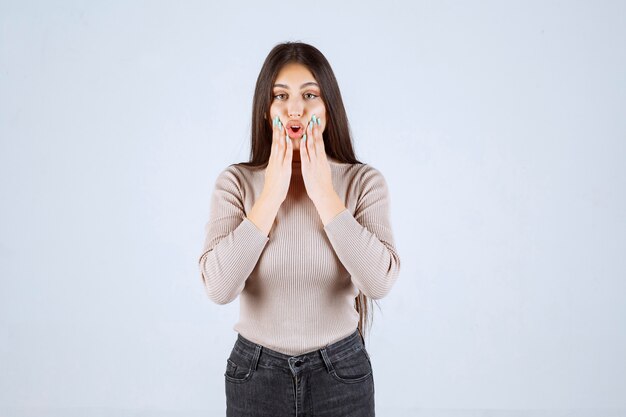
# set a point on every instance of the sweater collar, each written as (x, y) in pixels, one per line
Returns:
(331, 161)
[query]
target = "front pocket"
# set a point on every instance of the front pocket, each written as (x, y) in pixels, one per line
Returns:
(353, 368)
(238, 373)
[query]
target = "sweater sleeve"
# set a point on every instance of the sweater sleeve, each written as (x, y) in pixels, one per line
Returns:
(363, 242)
(233, 244)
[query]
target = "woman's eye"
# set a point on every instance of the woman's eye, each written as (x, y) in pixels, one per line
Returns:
(306, 94)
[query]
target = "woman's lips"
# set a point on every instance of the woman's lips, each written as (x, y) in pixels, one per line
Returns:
(297, 134)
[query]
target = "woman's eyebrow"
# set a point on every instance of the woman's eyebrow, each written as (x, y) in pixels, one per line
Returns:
(301, 87)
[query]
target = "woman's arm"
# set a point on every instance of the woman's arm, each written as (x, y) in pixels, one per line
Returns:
(364, 242)
(233, 241)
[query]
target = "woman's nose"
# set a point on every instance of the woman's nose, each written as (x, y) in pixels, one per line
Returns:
(295, 109)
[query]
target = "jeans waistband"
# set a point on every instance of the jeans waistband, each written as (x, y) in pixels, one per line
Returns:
(268, 357)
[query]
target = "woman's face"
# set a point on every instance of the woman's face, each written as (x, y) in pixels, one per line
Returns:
(296, 97)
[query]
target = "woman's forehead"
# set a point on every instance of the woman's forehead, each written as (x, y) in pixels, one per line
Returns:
(302, 86)
(294, 75)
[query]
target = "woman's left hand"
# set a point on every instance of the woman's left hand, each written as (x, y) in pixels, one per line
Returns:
(317, 176)
(315, 167)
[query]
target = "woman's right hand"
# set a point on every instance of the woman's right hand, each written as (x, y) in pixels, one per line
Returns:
(278, 171)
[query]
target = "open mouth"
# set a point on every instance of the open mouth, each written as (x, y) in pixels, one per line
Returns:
(295, 131)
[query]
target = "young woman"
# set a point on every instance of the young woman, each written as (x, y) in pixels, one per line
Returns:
(301, 233)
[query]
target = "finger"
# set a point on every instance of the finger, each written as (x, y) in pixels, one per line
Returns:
(311, 139)
(288, 149)
(283, 132)
(319, 138)
(279, 139)
(279, 144)
(304, 154)
(275, 133)
(288, 146)
(284, 139)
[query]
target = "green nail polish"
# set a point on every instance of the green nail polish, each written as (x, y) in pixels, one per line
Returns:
(313, 118)
(304, 138)
(319, 122)
(274, 121)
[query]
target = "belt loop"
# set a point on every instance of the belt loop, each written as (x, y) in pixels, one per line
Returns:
(255, 357)
(329, 364)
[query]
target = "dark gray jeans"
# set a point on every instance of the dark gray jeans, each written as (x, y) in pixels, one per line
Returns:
(334, 381)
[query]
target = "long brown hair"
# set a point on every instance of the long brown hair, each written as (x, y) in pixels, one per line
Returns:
(337, 138)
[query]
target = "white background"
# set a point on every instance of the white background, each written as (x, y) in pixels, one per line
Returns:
(499, 126)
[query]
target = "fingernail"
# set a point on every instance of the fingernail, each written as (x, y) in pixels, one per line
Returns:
(274, 121)
(313, 118)
(319, 122)
(304, 138)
